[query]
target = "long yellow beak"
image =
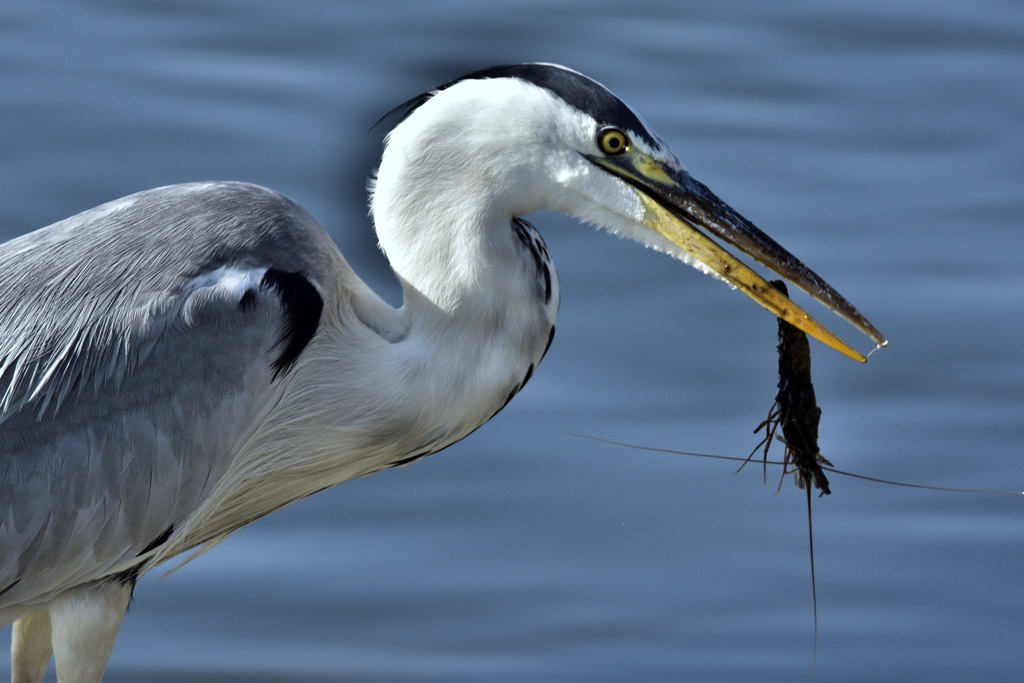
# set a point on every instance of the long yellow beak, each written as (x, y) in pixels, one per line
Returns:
(678, 207)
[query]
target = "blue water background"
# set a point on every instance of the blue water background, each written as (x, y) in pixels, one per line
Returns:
(881, 142)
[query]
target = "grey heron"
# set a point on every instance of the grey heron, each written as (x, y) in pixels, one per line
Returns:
(182, 361)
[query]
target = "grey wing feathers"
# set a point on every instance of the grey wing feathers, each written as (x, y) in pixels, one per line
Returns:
(139, 343)
(75, 294)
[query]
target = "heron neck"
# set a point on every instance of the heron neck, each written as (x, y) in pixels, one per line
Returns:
(452, 258)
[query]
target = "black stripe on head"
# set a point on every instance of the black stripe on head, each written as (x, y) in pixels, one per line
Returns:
(574, 88)
(302, 305)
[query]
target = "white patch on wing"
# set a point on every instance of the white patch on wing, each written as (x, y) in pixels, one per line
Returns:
(234, 282)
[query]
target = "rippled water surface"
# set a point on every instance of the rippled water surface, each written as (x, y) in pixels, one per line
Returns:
(881, 142)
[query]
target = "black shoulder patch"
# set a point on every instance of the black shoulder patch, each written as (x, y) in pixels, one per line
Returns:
(303, 306)
(574, 88)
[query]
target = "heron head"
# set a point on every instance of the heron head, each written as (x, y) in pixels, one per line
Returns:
(541, 136)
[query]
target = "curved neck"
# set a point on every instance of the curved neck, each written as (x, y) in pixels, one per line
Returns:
(449, 184)
(446, 241)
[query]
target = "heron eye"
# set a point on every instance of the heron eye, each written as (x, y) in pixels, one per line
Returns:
(612, 141)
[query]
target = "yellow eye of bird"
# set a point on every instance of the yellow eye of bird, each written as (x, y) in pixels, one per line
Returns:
(612, 141)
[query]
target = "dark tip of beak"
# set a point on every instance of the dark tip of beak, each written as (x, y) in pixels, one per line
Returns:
(692, 201)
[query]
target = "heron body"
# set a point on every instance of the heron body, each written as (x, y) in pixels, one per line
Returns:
(180, 362)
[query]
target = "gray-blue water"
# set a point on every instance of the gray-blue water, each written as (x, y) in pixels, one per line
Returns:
(881, 142)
